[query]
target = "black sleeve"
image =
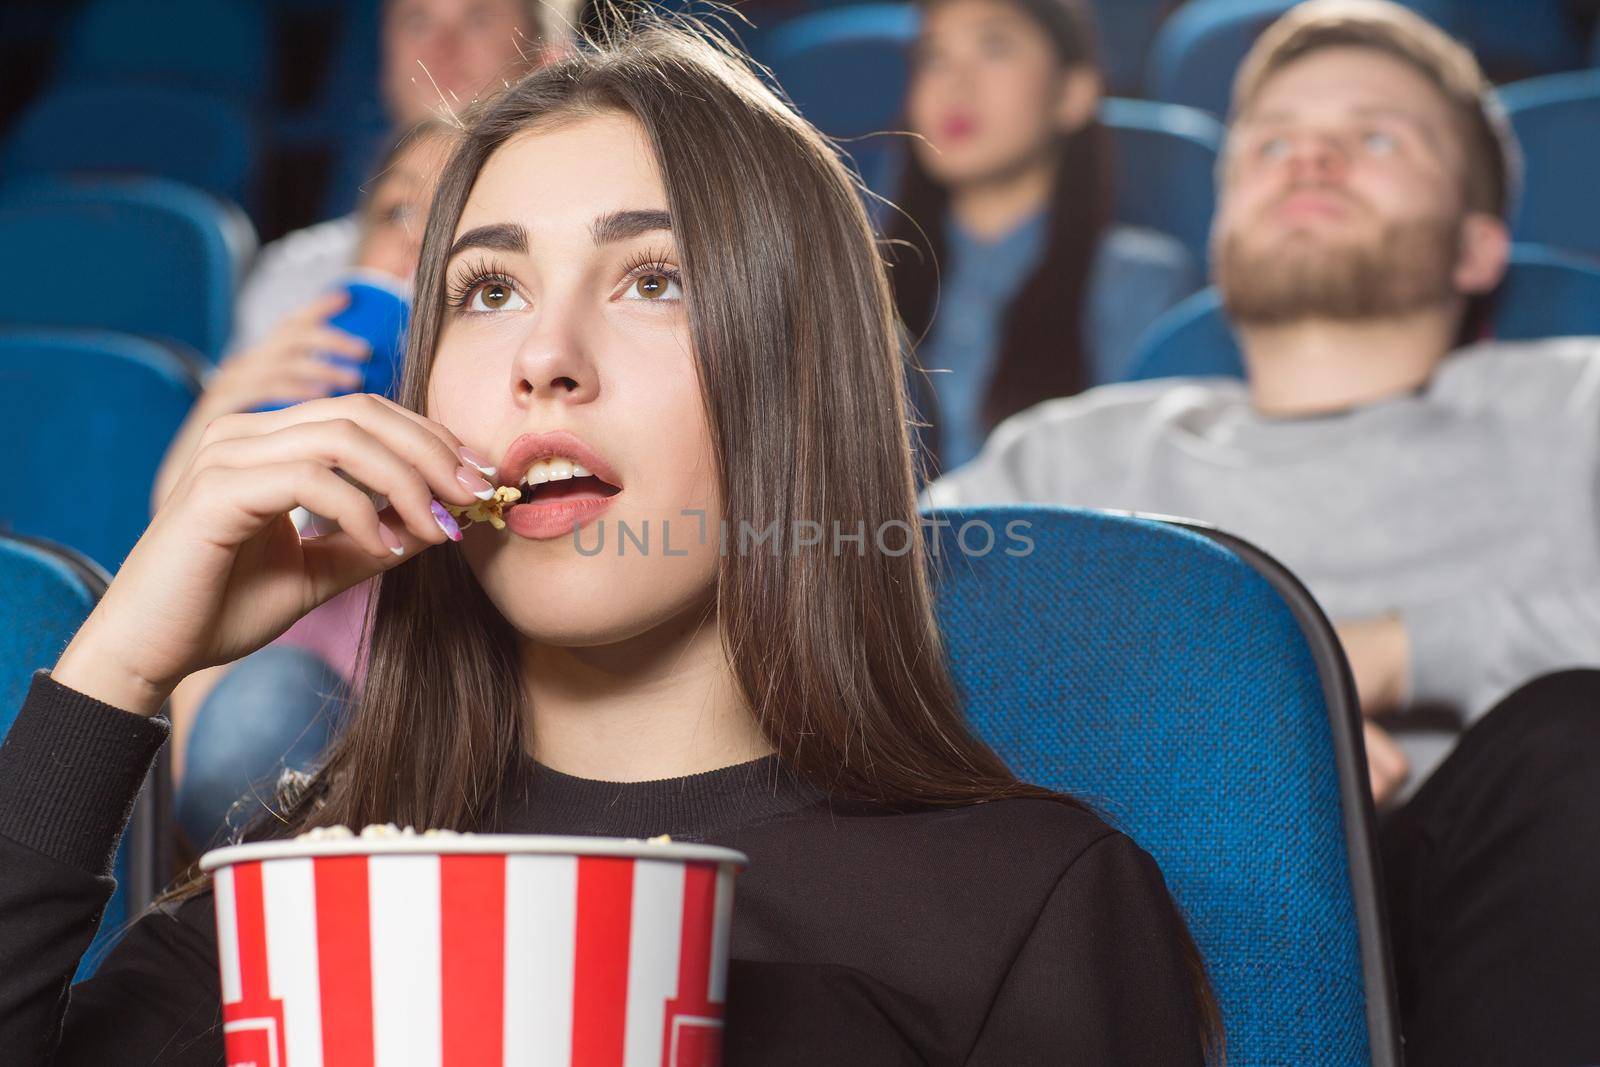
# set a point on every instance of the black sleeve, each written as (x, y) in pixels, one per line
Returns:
(1101, 979)
(70, 768)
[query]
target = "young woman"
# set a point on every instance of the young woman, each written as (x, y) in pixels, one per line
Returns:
(640, 262)
(1011, 274)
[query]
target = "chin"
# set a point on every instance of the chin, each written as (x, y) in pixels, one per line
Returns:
(579, 602)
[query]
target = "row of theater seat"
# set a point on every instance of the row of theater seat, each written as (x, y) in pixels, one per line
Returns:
(183, 97)
(1180, 680)
(1165, 50)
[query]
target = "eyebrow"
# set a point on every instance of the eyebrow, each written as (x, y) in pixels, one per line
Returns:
(1360, 111)
(510, 237)
(621, 225)
(499, 236)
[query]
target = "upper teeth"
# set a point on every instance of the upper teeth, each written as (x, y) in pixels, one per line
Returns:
(554, 469)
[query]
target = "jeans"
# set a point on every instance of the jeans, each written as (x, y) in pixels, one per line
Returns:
(276, 708)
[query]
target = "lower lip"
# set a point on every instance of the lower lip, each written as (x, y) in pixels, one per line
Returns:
(959, 129)
(1311, 209)
(556, 518)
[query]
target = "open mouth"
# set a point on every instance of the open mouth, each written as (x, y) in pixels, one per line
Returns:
(565, 487)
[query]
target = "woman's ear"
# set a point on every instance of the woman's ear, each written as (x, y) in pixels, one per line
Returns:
(1485, 249)
(1079, 98)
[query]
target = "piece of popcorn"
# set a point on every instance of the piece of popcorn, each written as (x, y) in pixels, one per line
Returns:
(664, 839)
(491, 511)
(326, 833)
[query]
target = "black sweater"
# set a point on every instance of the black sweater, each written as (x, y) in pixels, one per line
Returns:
(1013, 932)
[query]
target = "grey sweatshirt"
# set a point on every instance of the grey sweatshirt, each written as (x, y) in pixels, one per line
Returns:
(1468, 507)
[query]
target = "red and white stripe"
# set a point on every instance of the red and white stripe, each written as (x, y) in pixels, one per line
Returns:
(473, 961)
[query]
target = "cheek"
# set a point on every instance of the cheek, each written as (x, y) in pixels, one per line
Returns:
(1017, 108)
(461, 390)
(1396, 191)
(924, 100)
(666, 422)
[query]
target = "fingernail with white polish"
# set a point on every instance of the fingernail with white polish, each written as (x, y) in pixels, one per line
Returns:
(471, 458)
(474, 484)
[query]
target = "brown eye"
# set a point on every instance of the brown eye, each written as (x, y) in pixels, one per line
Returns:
(656, 286)
(495, 296)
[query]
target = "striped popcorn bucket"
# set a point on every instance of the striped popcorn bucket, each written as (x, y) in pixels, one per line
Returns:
(473, 951)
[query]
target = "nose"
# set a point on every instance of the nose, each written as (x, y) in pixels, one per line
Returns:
(553, 363)
(1317, 157)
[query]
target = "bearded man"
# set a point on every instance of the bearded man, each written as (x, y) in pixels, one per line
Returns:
(1440, 500)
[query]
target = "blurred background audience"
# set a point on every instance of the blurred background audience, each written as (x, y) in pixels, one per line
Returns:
(1005, 209)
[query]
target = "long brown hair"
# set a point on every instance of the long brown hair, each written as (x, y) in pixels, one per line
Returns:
(838, 654)
(1042, 336)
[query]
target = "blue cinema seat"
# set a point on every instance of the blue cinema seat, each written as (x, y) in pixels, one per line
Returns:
(1127, 29)
(1523, 38)
(1198, 49)
(203, 211)
(1555, 118)
(1189, 688)
(845, 69)
(218, 46)
(85, 417)
(202, 140)
(1547, 292)
(46, 591)
(146, 257)
(1164, 158)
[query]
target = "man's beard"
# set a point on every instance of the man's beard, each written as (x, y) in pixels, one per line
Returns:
(1408, 267)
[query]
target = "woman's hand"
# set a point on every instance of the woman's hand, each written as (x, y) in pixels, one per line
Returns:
(289, 364)
(221, 570)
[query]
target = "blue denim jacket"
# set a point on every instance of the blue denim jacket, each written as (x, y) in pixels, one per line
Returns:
(1137, 274)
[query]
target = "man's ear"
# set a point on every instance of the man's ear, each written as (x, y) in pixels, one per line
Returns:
(1485, 251)
(1079, 99)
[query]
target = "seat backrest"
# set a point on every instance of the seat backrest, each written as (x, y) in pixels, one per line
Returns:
(222, 46)
(47, 590)
(137, 258)
(1555, 118)
(192, 137)
(1546, 292)
(1192, 339)
(1198, 49)
(1126, 30)
(1522, 39)
(845, 68)
(209, 214)
(85, 418)
(1164, 158)
(1159, 675)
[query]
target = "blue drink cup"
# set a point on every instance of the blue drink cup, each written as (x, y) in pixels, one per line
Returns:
(378, 312)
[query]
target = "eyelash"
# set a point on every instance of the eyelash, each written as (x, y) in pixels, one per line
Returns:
(472, 276)
(477, 273)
